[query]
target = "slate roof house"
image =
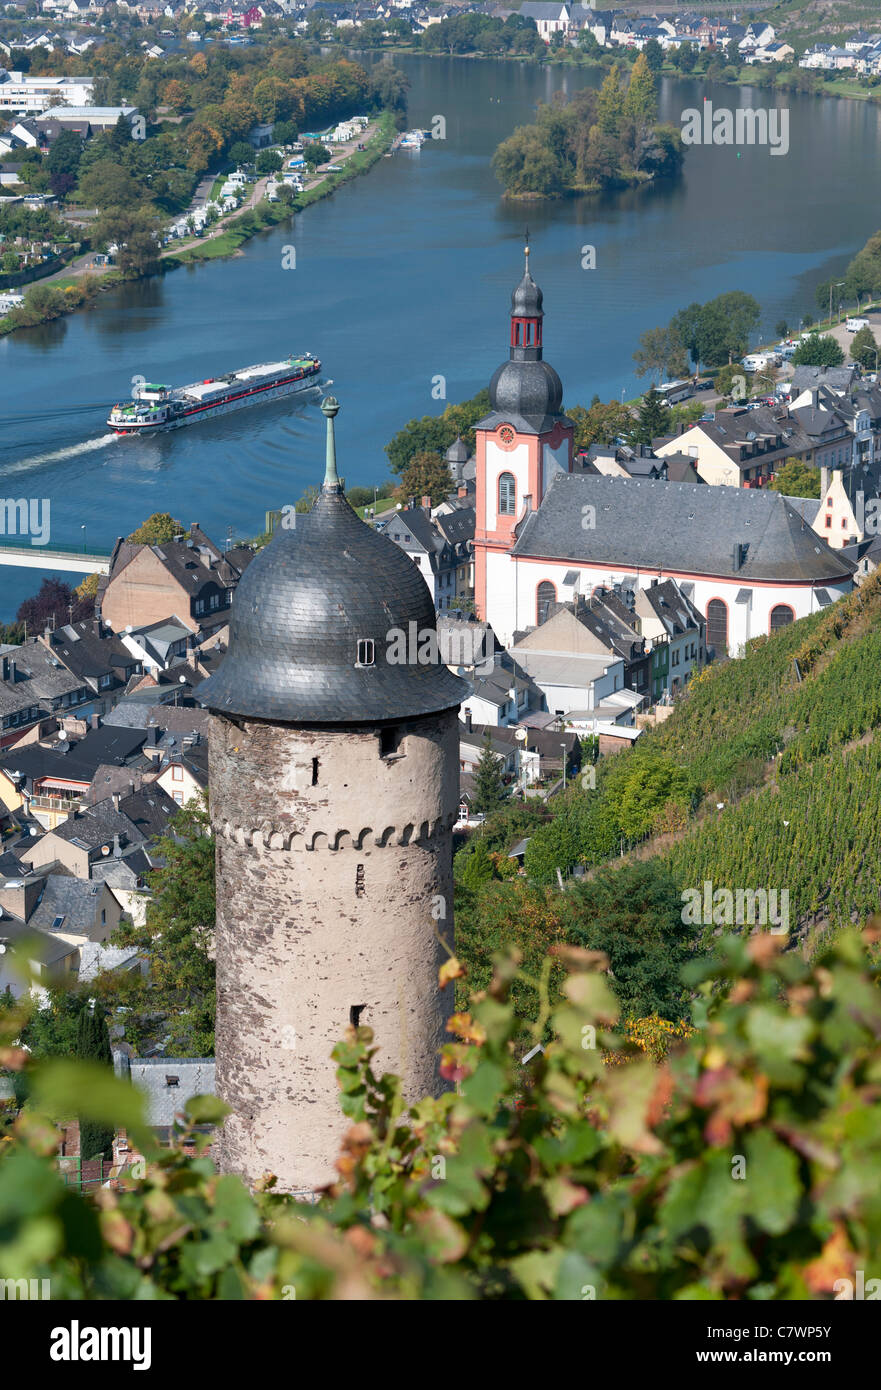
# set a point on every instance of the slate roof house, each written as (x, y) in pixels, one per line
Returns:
(54, 777)
(188, 578)
(35, 683)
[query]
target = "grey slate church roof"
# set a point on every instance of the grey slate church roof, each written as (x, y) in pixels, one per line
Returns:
(303, 606)
(641, 524)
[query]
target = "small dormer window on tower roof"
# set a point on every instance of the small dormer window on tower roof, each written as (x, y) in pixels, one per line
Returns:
(366, 652)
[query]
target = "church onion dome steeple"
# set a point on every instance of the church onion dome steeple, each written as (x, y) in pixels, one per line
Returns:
(312, 624)
(526, 390)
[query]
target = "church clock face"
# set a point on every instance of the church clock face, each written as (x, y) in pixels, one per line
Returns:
(506, 435)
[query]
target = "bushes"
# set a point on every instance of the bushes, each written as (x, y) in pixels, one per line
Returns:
(584, 1180)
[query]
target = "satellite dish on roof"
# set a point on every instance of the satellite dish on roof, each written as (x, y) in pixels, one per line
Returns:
(521, 735)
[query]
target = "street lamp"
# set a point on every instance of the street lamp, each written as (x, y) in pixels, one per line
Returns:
(83, 529)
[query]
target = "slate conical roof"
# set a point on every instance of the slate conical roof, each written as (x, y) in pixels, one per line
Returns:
(301, 609)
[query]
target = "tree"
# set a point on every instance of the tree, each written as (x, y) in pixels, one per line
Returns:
(435, 433)
(634, 915)
(654, 55)
(240, 152)
(176, 1001)
(490, 791)
(610, 104)
(731, 381)
(797, 479)
(53, 605)
(315, 153)
(781, 328)
(426, 475)
(819, 350)
(63, 162)
(652, 419)
(661, 352)
(864, 349)
(602, 424)
(685, 57)
(641, 100)
(135, 233)
(284, 132)
(93, 1045)
(268, 162)
(159, 527)
(107, 184)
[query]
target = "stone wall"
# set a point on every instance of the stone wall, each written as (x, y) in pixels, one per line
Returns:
(334, 879)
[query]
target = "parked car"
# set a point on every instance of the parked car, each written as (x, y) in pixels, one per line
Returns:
(704, 386)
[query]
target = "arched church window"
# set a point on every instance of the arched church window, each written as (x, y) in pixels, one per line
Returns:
(545, 595)
(717, 625)
(781, 616)
(507, 494)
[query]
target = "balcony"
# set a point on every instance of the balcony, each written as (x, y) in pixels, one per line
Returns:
(54, 803)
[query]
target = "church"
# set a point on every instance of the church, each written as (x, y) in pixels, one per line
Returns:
(547, 531)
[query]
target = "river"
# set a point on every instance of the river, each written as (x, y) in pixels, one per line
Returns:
(403, 277)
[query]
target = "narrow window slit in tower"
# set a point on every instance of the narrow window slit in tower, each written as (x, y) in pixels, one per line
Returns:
(355, 1012)
(359, 881)
(315, 772)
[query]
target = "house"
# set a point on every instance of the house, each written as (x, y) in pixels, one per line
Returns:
(22, 94)
(54, 777)
(599, 646)
(90, 835)
(34, 683)
(167, 1084)
(83, 119)
(528, 755)
(91, 651)
(50, 923)
(184, 773)
(500, 695)
(669, 621)
(549, 18)
(745, 448)
(189, 577)
(438, 559)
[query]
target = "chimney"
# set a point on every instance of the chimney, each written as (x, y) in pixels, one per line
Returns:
(115, 800)
(824, 480)
(426, 502)
(116, 848)
(468, 720)
(192, 657)
(12, 670)
(152, 736)
(95, 721)
(4, 668)
(462, 490)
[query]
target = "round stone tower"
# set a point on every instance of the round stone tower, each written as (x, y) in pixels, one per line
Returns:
(333, 790)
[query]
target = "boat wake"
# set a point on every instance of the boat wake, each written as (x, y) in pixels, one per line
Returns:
(86, 446)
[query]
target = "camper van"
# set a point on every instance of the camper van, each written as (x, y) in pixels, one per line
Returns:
(854, 325)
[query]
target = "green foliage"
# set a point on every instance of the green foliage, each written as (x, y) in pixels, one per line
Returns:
(634, 915)
(490, 791)
(864, 349)
(435, 433)
(719, 330)
(268, 162)
(602, 423)
(652, 419)
(661, 352)
(584, 1179)
(819, 350)
(796, 479)
(177, 999)
(597, 140)
(159, 527)
(426, 475)
(93, 1045)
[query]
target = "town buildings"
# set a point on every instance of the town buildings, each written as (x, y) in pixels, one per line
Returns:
(545, 533)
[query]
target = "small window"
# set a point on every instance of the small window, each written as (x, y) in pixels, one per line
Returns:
(58, 924)
(355, 1012)
(366, 652)
(315, 772)
(389, 741)
(177, 773)
(507, 494)
(172, 1080)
